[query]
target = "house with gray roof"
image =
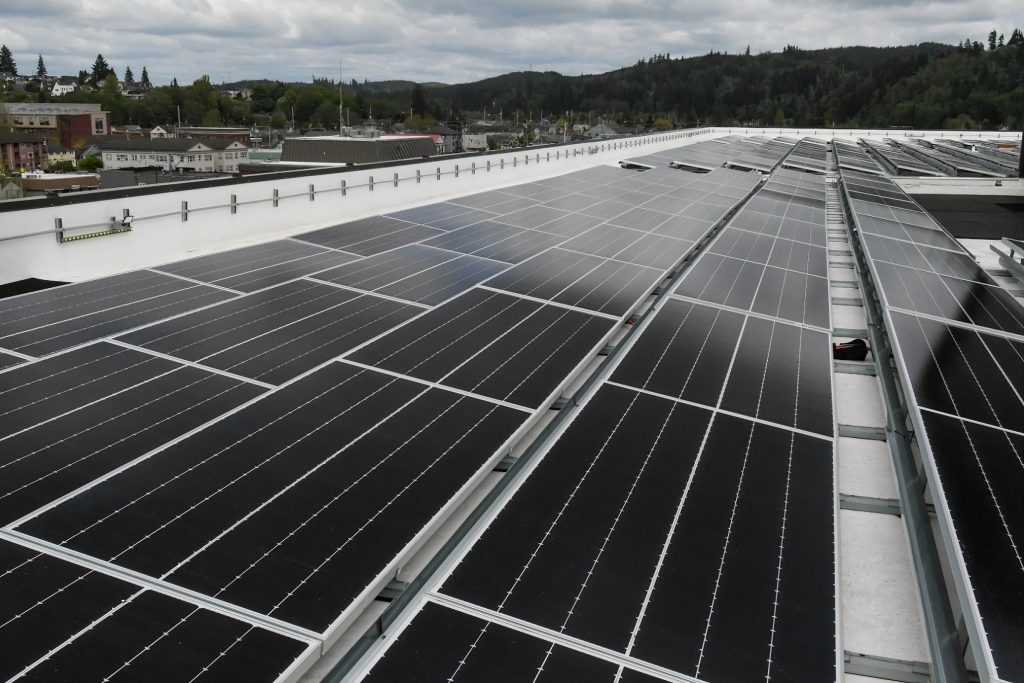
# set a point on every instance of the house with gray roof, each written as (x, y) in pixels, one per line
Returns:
(172, 154)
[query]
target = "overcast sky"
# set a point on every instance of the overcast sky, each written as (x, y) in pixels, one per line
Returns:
(455, 40)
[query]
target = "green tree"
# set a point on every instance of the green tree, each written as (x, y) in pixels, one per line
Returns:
(40, 69)
(7, 64)
(144, 81)
(992, 41)
(418, 102)
(212, 118)
(100, 70)
(90, 164)
(129, 77)
(61, 166)
(780, 117)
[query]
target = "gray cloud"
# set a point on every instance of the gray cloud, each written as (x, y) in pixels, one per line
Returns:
(456, 40)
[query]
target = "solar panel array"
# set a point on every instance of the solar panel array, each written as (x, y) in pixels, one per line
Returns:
(720, 152)
(763, 158)
(958, 340)
(852, 157)
(771, 259)
(808, 155)
(898, 162)
(683, 524)
(252, 441)
(963, 167)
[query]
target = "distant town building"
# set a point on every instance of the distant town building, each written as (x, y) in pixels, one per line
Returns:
(241, 135)
(22, 151)
(176, 154)
(603, 131)
(447, 139)
(71, 122)
(64, 85)
(55, 153)
(357, 150)
(160, 132)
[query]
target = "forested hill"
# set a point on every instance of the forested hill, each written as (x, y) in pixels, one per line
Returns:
(930, 85)
(925, 86)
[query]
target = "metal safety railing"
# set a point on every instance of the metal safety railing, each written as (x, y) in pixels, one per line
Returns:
(65, 233)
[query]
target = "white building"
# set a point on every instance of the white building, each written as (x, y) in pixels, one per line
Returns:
(62, 87)
(203, 155)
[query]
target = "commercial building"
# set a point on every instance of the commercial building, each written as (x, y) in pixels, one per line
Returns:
(22, 151)
(173, 154)
(71, 122)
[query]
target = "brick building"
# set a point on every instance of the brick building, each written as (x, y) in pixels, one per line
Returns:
(71, 122)
(22, 151)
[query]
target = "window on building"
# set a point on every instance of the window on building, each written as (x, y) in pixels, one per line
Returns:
(99, 126)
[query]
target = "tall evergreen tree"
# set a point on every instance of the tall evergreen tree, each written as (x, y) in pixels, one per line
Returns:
(1016, 38)
(7, 64)
(144, 82)
(100, 70)
(40, 69)
(992, 41)
(129, 77)
(419, 100)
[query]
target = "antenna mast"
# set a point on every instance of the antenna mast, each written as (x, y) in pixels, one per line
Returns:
(341, 102)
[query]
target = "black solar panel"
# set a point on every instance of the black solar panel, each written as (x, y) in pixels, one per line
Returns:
(263, 265)
(54, 319)
(77, 416)
(276, 334)
(959, 344)
(61, 621)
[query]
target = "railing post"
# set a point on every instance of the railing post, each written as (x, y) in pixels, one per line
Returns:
(58, 225)
(344, 188)
(396, 180)
(234, 203)
(418, 175)
(184, 211)
(371, 183)
(438, 172)
(312, 192)
(277, 198)
(456, 170)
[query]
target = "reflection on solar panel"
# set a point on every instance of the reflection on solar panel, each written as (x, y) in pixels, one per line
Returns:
(270, 432)
(770, 258)
(852, 157)
(898, 162)
(959, 346)
(692, 496)
(807, 155)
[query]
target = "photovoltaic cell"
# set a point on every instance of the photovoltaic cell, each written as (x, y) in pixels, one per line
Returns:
(643, 496)
(294, 505)
(370, 235)
(580, 280)
(60, 621)
(256, 267)
(445, 645)
(54, 319)
(493, 344)
(77, 416)
(275, 334)
(415, 273)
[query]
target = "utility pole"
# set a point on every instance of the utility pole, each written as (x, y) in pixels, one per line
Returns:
(341, 102)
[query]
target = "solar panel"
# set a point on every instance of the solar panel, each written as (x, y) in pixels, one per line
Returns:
(259, 266)
(250, 510)
(958, 341)
(494, 344)
(54, 319)
(276, 334)
(76, 416)
(370, 235)
(415, 273)
(273, 431)
(582, 281)
(59, 620)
